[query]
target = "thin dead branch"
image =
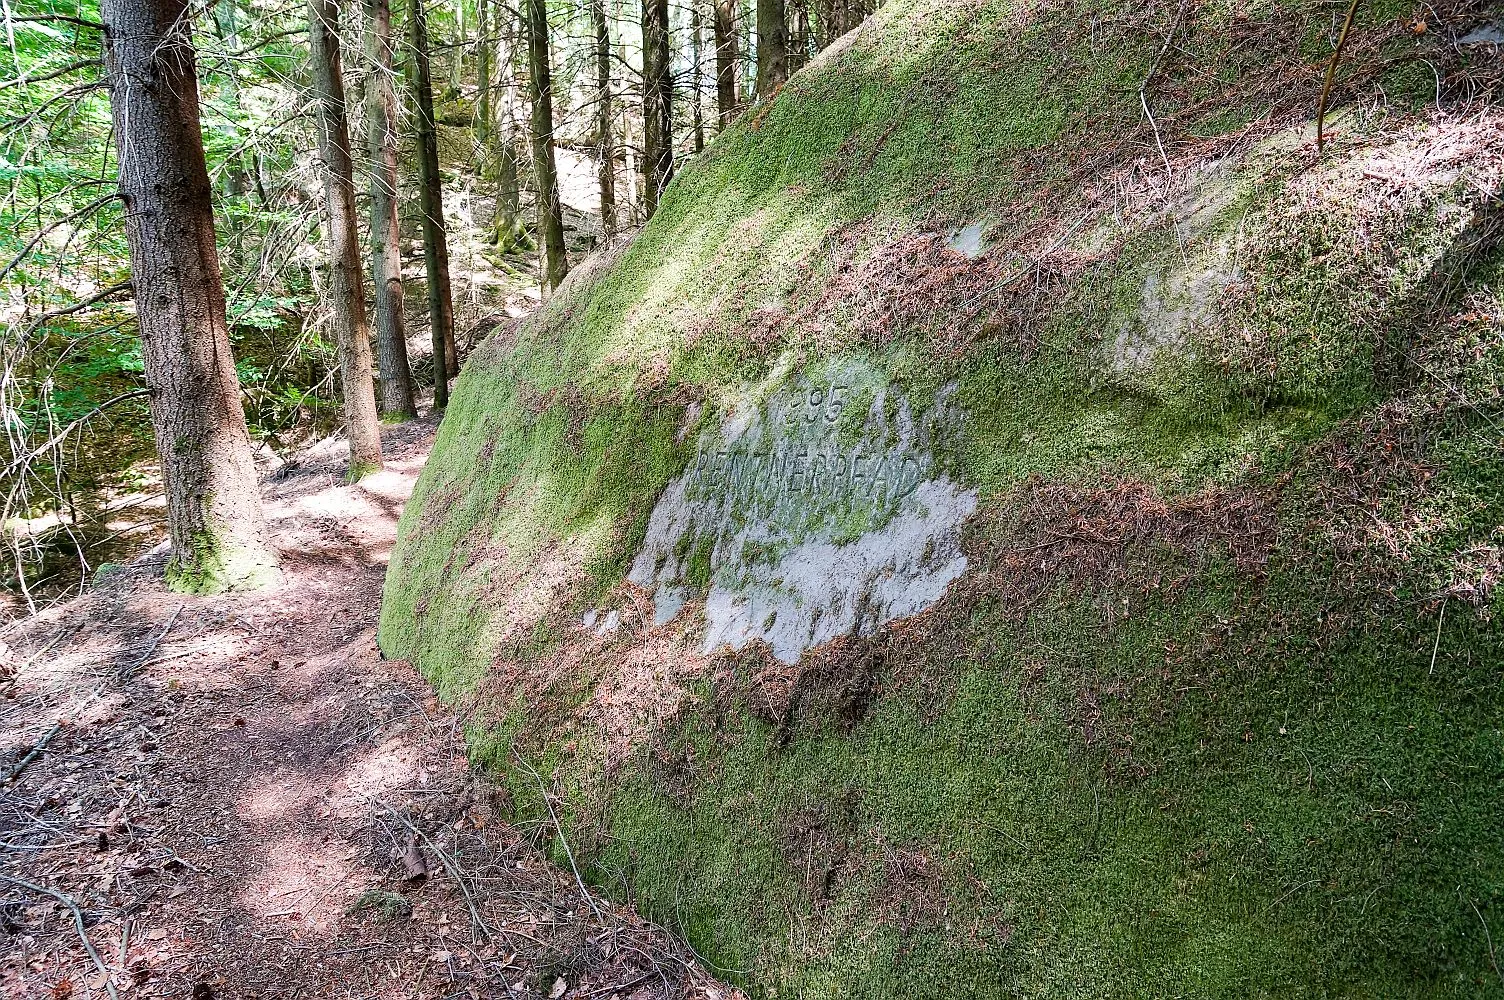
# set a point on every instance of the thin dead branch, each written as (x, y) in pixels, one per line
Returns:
(78, 923)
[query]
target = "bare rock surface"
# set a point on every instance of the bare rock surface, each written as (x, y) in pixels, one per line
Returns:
(821, 511)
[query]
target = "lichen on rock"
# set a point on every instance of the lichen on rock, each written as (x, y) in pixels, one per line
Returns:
(820, 512)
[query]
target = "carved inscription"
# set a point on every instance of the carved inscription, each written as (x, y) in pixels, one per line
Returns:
(815, 406)
(819, 510)
(804, 474)
(802, 467)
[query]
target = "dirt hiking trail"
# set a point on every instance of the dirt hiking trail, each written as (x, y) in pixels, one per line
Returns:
(235, 796)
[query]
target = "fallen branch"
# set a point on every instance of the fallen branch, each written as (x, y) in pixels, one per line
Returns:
(1143, 91)
(62, 435)
(88, 209)
(78, 922)
(81, 22)
(141, 661)
(33, 754)
(74, 67)
(559, 829)
(99, 296)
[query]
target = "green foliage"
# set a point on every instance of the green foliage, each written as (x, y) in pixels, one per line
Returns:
(63, 235)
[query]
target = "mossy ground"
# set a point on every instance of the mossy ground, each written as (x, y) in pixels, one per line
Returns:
(1217, 711)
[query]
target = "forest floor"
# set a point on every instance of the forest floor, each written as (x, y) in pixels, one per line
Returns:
(235, 796)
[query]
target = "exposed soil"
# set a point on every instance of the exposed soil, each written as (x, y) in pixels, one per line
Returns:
(237, 797)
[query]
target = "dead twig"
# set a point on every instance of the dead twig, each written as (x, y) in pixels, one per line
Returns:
(1143, 91)
(141, 661)
(560, 831)
(476, 922)
(34, 753)
(78, 923)
(1488, 937)
(1331, 74)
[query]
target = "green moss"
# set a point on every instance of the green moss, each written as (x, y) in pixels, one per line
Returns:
(697, 567)
(1161, 768)
(383, 906)
(216, 564)
(360, 471)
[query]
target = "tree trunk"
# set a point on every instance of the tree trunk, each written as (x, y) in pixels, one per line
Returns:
(772, 46)
(725, 60)
(396, 377)
(214, 514)
(657, 102)
(347, 298)
(798, 34)
(435, 240)
(834, 18)
(606, 142)
(632, 193)
(509, 229)
(483, 47)
(540, 90)
(456, 53)
(697, 72)
(747, 29)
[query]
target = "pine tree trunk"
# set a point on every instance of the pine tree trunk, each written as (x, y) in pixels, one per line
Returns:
(214, 514)
(435, 240)
(657, 103)
(631, 195)
(456, 53)
(606, 142)
(798, 34)
(747, 29)
(395, 374)
(483, 47)
(697, 72)
(772, 46)
(347, 299)
(540, 89)
(510, 232)
(725, 60)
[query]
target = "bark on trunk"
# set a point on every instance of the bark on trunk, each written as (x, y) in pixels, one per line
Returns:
(510, 230)
(347, 295)
(435, 240)
(798, 34)
(657, 103)
(540, 88)
(725, 60)
(395, 374)
(214, 513)
(606, 142)
(630, 145)
(833, 18)
(483, 47)
(772, 46)
(697, 73)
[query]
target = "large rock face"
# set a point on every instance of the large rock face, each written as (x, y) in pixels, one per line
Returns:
(983, 539)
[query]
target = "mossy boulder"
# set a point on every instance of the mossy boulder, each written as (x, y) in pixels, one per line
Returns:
(1195, 686)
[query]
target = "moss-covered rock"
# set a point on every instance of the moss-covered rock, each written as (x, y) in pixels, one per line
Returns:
(1214, 709)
